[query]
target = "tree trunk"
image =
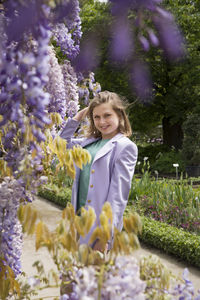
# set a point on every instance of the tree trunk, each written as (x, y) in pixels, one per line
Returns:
(172, 133)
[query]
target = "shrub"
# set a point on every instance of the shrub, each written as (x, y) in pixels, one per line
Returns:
(191, 140)
(161, 159)
(53, 193)
(151, 151)
(172, 240)
(164, 162)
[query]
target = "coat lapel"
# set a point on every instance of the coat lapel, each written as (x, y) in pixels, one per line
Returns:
(108, 147)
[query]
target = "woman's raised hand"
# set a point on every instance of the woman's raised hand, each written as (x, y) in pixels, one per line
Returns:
(81, 114)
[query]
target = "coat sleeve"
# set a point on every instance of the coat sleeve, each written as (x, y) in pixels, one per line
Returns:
(68, 132)
(120, 184)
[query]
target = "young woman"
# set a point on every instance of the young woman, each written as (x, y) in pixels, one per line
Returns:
(108, 176)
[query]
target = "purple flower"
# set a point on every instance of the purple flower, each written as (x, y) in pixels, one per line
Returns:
(64, 39)
(56, 85)
(144, 42)
(170, 37)
(87, 59)
(11, 192)
(122, 42)
(140, 77)
(70, 82)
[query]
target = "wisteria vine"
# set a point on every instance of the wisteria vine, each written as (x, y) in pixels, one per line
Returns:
(25, 101)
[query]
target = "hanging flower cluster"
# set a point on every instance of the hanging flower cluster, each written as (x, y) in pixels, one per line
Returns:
(62, 87)
(120, 281)
(27, 93)
(56, 85)
(163, 33)
(23, 76)
(88, 88)
(68, 33)
(71, 88)
(11, 193)
(63, 38)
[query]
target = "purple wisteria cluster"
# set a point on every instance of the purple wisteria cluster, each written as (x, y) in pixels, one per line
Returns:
(88, 87)
(55, 85)
(23, 75)
(25, 63)
(121, 280)
(129, 33)
(167, 34)
(185, 290)
(71, 88)
(10, 228)
(68, 33)
(62, 87)
(64, 39)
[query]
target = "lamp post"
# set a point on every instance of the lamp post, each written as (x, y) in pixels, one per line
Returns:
(176, 166)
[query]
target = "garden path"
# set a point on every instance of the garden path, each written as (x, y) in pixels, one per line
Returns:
(50, 214)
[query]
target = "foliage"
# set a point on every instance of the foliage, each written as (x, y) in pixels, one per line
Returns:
(171, 240)
(151, 151)
(8, 284)
(159, 280)
(85, 272)
(68, 157)
(176, 86)
(164, 162)
(107, 273)
(59, 177)
(191, 141)
(172, 202)
(60, 196)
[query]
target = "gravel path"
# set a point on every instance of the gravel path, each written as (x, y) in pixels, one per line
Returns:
(51, 214)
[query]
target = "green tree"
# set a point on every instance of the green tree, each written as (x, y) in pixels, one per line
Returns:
(176, 86)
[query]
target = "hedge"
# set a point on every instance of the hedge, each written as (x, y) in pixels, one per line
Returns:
(171, 240)
(59, 196)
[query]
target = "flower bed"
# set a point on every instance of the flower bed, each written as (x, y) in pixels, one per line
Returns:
(174, 202)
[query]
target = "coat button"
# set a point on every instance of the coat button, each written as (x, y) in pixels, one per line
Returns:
(91, 185)
(92, 171)
(89, 201)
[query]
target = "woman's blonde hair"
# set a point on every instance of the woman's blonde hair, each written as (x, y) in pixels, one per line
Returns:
(117, 105)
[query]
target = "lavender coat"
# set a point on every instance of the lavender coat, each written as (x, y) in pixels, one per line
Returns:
(111, 173)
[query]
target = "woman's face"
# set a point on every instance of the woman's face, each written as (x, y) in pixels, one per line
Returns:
(106, 120)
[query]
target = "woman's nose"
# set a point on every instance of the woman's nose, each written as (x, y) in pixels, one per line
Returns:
(101, 121)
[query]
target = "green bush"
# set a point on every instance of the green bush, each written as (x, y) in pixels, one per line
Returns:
(191, 140)
(161, 159)
(53, 193)
(151, 151)
(164, 162)
(183, 245)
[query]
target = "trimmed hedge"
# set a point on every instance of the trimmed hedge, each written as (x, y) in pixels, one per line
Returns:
(59, 196)
(169, 239)
(172, 240)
